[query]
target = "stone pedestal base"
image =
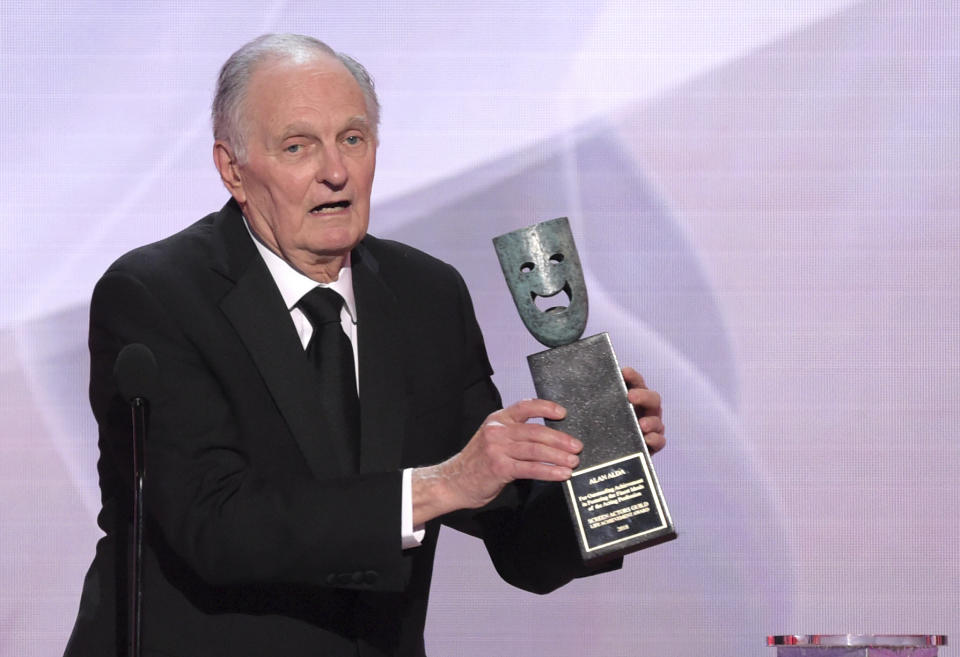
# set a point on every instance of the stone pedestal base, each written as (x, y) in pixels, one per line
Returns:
(614, 498)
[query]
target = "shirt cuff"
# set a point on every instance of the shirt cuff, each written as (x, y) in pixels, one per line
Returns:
(410, 536)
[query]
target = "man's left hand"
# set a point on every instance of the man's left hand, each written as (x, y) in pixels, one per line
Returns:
(646, 403)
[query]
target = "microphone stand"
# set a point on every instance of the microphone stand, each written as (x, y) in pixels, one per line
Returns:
(137, 377)
(138, 411)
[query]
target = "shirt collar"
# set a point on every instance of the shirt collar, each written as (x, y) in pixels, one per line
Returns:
(293, 284)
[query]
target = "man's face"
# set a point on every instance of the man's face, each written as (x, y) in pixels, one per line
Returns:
(311, 153)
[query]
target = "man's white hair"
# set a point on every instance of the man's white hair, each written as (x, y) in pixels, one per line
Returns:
(228, 102)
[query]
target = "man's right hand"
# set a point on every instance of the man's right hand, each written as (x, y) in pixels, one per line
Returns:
(503, 449)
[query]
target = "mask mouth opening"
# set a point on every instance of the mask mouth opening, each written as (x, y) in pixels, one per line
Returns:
(547, 303)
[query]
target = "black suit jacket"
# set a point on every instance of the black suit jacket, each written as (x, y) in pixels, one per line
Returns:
(266, 534)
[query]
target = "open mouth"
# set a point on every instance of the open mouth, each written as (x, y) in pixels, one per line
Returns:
(547, 303)
(324, 208)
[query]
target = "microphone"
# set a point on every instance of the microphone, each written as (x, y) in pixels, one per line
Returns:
(137, 376)
(136, 373)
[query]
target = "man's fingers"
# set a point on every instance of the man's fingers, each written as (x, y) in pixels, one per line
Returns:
(538, 452)
(533, 408)
(647, 405)
(548, 467)
(520, 437)
(652, 424)
(648, 400)
(653, 432)
(541, 471)
(506, 448)
(527, 451)
(633, 378)
(655, 442)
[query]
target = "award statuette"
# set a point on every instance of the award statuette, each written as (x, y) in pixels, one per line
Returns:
(614, 498)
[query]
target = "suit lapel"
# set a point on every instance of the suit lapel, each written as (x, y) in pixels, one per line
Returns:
(256, 310)
(383, 386)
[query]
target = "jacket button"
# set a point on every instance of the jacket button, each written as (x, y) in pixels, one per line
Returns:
(370, 576)
(344, 578)
(331, 579)
(358, 577)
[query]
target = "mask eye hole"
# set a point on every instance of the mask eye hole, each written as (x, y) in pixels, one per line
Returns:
(526, 267)
(556, 258)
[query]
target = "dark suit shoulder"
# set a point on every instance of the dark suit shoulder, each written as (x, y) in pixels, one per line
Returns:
(191, 245)
(403, 266)
(394, 253)
(180, 279)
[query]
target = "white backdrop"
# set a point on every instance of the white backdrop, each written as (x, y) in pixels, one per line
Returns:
(765, 197)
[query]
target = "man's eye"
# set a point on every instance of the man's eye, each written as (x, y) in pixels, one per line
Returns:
(353, 140)
(294, 148)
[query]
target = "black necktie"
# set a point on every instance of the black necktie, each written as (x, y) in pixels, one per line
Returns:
(332, 355)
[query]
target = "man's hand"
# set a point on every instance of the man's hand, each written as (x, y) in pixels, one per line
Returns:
(646, 403)
(503, 449)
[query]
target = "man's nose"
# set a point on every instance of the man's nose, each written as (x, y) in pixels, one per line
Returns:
(331, 169)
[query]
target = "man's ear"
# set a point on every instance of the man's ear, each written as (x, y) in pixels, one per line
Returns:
(229, 169)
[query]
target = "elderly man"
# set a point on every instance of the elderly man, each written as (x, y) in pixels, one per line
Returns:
(288, 515)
